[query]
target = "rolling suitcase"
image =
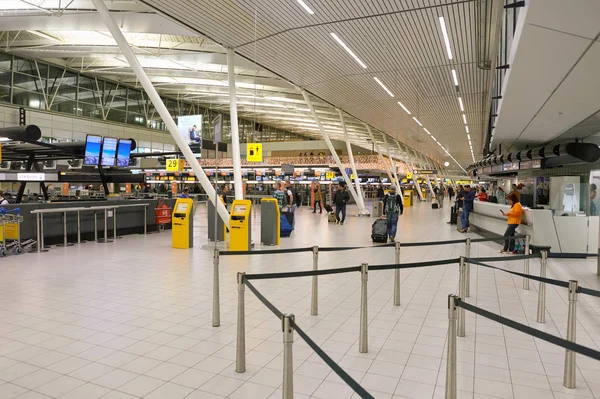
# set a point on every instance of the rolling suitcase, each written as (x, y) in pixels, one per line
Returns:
(434, 205)
(379, 231)
(331, 217)
(285, 227)
(454, 214)
(328, 208)
(458, 221)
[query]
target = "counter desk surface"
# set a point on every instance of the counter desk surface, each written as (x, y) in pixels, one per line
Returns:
(564, 234)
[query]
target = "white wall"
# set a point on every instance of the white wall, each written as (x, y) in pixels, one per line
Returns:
(62, 126)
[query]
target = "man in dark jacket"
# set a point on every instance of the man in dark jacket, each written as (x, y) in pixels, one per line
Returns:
(459, 195)
(468, 199)
(340, 199)
(393, 208)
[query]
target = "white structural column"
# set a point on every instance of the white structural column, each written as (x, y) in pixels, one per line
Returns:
(392, 164)
(381, 158)
(361, 203)
(330, 145)
(160, 107)
(235, 132)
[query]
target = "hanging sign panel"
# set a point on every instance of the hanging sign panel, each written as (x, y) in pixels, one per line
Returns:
(425, 172)
(174, 165)
(254, 152)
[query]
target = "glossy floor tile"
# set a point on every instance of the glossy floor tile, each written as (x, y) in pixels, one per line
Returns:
(132, 319)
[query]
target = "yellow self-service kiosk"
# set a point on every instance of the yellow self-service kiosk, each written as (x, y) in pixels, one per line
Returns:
(183, 223)
(240, 228)
(408, 198)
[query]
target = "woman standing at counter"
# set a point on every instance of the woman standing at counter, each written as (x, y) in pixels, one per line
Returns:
(514, 220)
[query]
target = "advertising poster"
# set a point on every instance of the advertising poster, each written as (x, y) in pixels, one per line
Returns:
(190, 127)
(594, 206)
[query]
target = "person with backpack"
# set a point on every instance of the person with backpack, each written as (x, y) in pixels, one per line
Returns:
(393, 208)
(450, 193)
(340, 199)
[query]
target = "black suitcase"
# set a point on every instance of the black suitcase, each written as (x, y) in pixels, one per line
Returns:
(434, 206)
(328, 208)
(454, 214)
(379, 231)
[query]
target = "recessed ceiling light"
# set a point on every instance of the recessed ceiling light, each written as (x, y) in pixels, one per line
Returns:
(469, 137)
(341, 43)
(462, 108)
(446, 38)
(306, 7)
(467, 129)
(403, 107)
(454, 77)
(416, 120)
(427, 131)
(384, 88)
(465, 119)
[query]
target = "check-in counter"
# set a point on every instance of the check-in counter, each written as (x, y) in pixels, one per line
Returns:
(564, 234)
(130, 219)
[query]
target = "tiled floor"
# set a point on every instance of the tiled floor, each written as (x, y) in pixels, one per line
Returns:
(132, 319)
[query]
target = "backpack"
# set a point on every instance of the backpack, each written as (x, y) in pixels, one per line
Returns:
(391, 206)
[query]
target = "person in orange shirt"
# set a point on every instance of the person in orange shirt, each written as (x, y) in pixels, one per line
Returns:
(482, 196)
(514, 220)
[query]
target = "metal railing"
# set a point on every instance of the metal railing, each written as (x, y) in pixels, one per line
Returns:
(456, 313)
(41, 212)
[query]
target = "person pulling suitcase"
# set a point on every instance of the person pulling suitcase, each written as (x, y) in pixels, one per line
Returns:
(393, 207)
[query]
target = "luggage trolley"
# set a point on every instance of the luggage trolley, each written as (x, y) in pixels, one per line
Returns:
(163, 215)
(10, 224)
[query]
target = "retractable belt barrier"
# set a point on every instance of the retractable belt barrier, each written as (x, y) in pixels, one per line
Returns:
(572, 346)
(352, 383)
(335, 249)
(456, 314)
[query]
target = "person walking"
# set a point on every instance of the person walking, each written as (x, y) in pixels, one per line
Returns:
(340, 199)
(317, 198)
(467, 199)
(450, 193)
(440, 195)
(394, 207)
(290, 193)
(514, 220)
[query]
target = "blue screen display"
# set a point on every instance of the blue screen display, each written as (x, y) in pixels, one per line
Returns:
(123, 153)
(109, 151)
(92, 150)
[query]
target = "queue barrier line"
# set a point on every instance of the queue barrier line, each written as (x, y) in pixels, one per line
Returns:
(261, 298)
(415, 264)
(351, 382)
(303, 273)
(498, 238)
(572, 255)
(558, 283)
(334, 249)
(589, 291)
(505, 258)
(572, 346)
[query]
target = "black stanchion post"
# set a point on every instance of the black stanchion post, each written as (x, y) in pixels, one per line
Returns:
(541, 310)
(288, 364)
(363, 340)
(216, 316)
(526, 263)
(240, 351)
(467, 269)
(314, 299)
(569, 380)
(451, 362)
(461, 294)
(397, 276)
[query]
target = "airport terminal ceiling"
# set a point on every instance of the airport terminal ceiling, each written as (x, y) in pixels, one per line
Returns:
(403, 48)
